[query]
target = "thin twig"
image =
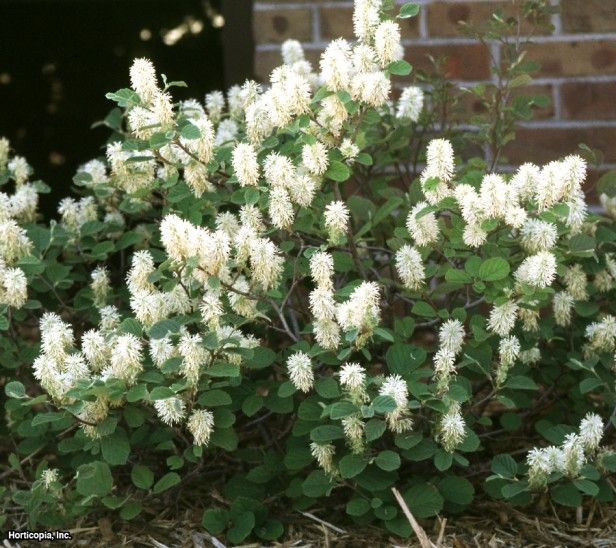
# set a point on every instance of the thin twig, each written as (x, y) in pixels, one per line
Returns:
(422, 537)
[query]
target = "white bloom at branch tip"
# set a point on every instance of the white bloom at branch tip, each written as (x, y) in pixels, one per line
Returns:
(410, 104)
(372, 88)
(324, 454)
(502, 318)
(49, 476)
(292, 52)
(280, 208)
(194, 355)
(366, 18)
(322, 269)
(201, 425)
(126, 359)
(364, 58)
(336, 220)
(509, 350)
(409, 265)
(361, 311)
(537, 270)
(537, 235)
(602, 334)
(266, 262)
(143, 79)
(576, 282)
(352, 377)
(315, 158)
(395, 387)
(573, 457)
(100, 285)
(525, 181)
(245, 164)
(161, 350)
(474, 235)
(444, 368)
(387, 43)
(170, 410)
(563, 304)
(424, 228)
(440, 166)
(591, 432)
(215, 105)
(300, 371)
(451, 429)
(13, 287)
(348, 149)
(327, 333)
(530, 356)
(335, 65)
(353, 428)
(451, 336)
(95, 349)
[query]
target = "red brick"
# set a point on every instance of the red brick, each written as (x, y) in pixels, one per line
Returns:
(575, 58)
(589, 101)
(463, 62)
(588, 15)
(444, 18)
(280, 25)
(338, 23)
(543, 145)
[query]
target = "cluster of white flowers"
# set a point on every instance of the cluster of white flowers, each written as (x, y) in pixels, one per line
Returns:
(361, 311)
(322, 304)
(399, 419)
(300, 370)
(569, 458)
(451, 429)
(451, 339)
(602, 335)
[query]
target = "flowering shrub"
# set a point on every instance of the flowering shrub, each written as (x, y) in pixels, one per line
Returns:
(261, 291)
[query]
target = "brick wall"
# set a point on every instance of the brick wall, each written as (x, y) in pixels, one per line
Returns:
(578, 61)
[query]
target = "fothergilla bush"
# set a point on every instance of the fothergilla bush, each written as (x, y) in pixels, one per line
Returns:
(271, 299)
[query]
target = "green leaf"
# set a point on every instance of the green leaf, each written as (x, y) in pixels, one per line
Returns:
(424, 500)
(262, 357)
(374, 429)
(326, 432)
(399, 68)
(317, 484)
(384, 404)
(94, 479)
(241, 528)
(15, 389)
(337, 171)
(586, 486)
(215, 520)
(213, 398)
(566, 494)
(124, 97)
(388, 460)
(422, 308)
(503, 465)
(341, 409)
(190, 131)
(160, 329)
(166, 482)
(357, 507)
(457, 489)
(520, 382)
(352, 465)
(408, 10)
(494, 269)
(142, 476)
(161, 393)
(130, 510)
(116, 448)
